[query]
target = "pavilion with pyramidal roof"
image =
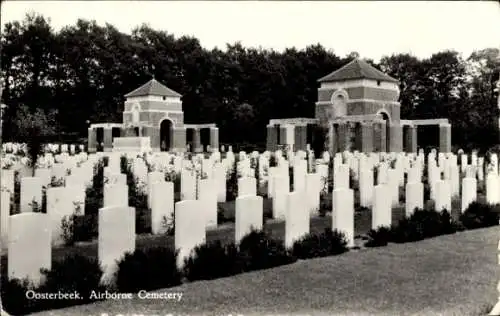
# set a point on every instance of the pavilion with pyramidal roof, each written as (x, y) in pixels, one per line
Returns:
(358, 105)
(153, 120)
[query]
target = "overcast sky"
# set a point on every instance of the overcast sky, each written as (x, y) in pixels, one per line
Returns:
(373, 29)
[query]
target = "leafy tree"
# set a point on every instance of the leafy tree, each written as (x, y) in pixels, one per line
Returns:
(34, 128)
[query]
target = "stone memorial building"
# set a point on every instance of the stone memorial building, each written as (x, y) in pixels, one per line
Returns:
(153, 119)
(358, 106)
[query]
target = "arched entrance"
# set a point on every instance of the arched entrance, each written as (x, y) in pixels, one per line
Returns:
(166, 135)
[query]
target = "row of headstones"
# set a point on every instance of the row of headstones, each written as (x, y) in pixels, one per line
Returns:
(65, 148)
(116, 190)
(246, 185)
(30, 234)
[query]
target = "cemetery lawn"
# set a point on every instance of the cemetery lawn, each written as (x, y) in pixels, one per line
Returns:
(447, 275)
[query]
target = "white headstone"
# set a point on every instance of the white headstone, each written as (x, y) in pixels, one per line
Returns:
(343, 213)
(59, 206)
(313, 191)
(162, 206)
(116, 237)
(29, 247)
(208, 196)
(190, 228)
(31, 191)
(469, 192)
(4, 217)
(280, 187)
(297, 218)
(248, 215)
(381, 212)
(115, 195)
(414, 197)
(247, 186)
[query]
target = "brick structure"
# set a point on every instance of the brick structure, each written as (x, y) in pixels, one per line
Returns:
(155, 112)
(361, 94)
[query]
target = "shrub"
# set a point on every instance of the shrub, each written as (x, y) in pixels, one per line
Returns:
(85, 227)
(168, 225)
(378, 237)
(423, 224)
(323, 244)
(212, 261)
(75, 273)
(14, 297)
(259, 251)
(149, 269)
(479, 215)
(67, 226)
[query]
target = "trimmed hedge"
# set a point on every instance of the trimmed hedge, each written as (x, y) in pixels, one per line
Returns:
(479, 215)
(314, 245)
(150, 269)
(212, 261)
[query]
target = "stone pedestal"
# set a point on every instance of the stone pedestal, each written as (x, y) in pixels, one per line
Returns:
(179, 139)
(300, 137)
(341, 136)
(445, 138)
(214, 139)
(272, 138)
(92, 140)
(108, 139)
(410, 139)
(396, 138)
(197, 148)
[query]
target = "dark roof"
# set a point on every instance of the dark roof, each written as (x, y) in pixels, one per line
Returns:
(357, 69)
(153, 87)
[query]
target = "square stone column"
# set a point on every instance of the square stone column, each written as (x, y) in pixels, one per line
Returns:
(214, 139)
(178, 139)
(272, 138)
(332, 139)
(107, 139)
(410, 139)
(300, 137)
(287, 135)
(92, 140)
(396, 138)
(366, 137)
(197, 148)
(342, 136)
(379, 137)
(445, 138)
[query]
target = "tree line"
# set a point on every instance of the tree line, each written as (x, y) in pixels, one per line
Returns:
(81, 73)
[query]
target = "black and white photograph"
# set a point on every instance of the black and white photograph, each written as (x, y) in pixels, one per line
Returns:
(248, 158)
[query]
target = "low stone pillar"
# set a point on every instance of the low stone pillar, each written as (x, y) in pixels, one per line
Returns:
(272, 138)
(179, 139)
(214, 139)
(92, 140)
(396, 138)
(342, 137)
(300, 137)
(366, 137)
(197, 148)
(445, 138)
(287, 135)
(410, 139)
(108, 139)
